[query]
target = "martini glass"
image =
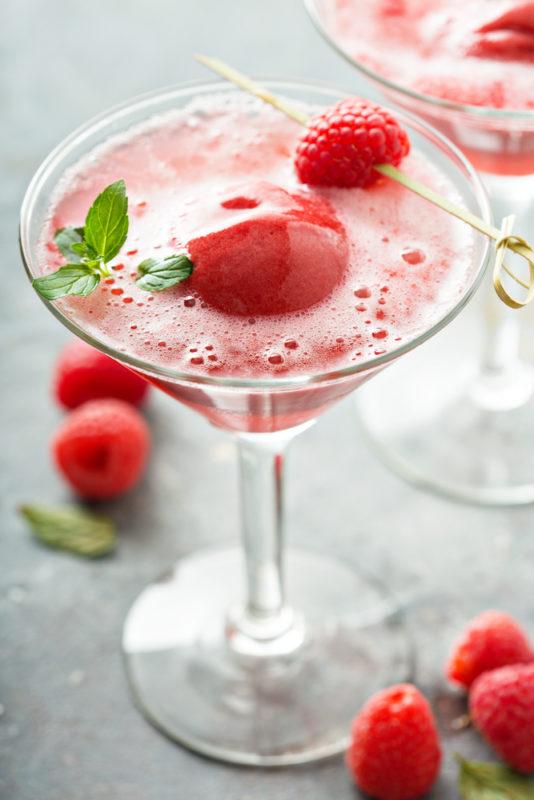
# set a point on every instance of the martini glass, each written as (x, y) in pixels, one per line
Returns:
(467, 431)
(219, 655)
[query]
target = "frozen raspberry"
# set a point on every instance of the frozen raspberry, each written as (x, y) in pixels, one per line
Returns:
(101, 448)
(395, 752)
(342, 144)
(273, 252)
(520, 17)
(83, 373)
(501, 705)
(506, 45)
(491, 640)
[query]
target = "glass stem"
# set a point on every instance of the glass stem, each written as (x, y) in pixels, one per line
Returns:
(501, 347)
(265, 616)
(262, 509)
(505, 381)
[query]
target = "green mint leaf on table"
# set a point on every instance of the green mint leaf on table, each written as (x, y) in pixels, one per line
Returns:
(68, 241)
(479, 780)
(89, 249)
(71, 528)
(106, 224)
(156, 274)
(77, 279)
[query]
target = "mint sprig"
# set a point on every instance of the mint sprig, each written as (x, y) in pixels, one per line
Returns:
(90, 248)
(70, 528)
(479, 780)
(156, 274)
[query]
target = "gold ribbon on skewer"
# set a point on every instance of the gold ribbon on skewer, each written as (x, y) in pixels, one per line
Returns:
(509, 241)
(503, 238)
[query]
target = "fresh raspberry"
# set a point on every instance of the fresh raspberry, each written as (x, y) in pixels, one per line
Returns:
(101, 448)
(342, 144)
(501, 704)
(491, 640)
(395, 752)
(83, 373)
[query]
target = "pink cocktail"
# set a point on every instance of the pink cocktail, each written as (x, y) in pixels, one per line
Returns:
(333, 284)
(468, 69)
(326, 281)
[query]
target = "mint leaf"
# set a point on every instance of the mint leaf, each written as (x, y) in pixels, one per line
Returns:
(72, 529)
(106, 224)
(79, 279)
(82, 250)
(89, 249)
(479, 780)
(69, 240)
(157, 274)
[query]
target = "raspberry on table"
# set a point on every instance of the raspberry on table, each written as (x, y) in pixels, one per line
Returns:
(394, 752)
(501, 705)
(101, 448)
(84, 373)
(341, 145)
(493, 639)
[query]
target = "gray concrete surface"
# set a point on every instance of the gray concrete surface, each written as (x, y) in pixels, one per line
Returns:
(68, 730)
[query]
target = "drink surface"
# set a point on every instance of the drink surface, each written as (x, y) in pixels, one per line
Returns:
(287, 280)
(478, 53)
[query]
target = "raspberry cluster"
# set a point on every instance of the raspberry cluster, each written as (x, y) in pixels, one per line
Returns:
(395, 752)
(101, 447)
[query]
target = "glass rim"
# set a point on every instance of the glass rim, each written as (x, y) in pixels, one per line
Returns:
(482, 112)
(300, 380)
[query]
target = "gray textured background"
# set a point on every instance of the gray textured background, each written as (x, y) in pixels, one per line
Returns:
(68, 730)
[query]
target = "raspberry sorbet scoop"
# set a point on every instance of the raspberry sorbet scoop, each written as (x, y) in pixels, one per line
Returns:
(278, 252)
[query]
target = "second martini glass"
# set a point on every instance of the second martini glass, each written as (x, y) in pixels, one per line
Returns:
(468, 430)
(220, 655)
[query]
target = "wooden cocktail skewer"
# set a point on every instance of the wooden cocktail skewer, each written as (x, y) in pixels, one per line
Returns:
(503, 237)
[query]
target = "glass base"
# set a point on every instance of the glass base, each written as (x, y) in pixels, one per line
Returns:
(261, 709)
(439, 424)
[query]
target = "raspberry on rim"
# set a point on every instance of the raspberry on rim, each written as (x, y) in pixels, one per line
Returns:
(341, 146)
